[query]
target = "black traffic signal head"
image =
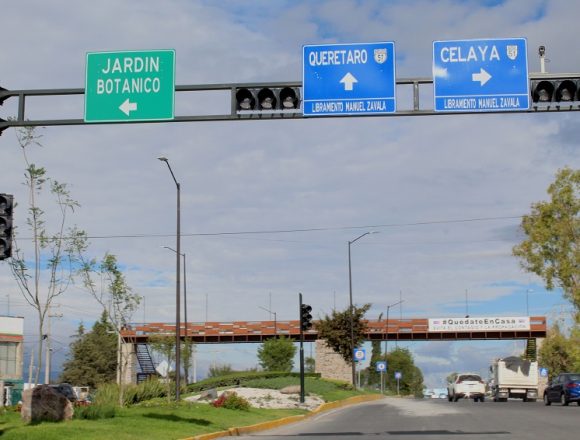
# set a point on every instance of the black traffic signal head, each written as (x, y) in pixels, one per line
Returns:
(566, 91)
(546, 91)
(305, 317)
(267, 98)
(3, 96)
(3, 125)
(245, 100)
(6, 204)
(542, 91)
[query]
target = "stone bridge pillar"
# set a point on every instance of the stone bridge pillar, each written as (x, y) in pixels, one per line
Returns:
(128, 359)
(330, 364)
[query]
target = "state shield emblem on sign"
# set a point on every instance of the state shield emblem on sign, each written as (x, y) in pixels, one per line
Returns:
(380, 55)
(512, 52)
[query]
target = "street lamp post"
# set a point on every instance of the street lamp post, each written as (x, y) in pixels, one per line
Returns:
(177, 285)
(275, 320)
(184, 303)
(353, 369)
(528, 301)
(387, 329)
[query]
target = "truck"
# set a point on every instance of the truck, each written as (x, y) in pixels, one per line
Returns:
(514, 377)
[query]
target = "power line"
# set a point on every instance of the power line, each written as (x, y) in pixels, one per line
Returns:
(302, 230)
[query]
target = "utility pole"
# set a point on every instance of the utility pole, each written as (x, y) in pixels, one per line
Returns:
(48, 346)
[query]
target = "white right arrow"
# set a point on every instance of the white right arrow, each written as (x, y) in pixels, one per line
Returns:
(128, 106)
(482, 77)
(348, 80)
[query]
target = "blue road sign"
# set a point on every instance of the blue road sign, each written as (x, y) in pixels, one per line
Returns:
(481, 75)
(359, 354)
(349, 79)
(398, 375)
(543, 372)
(381, 366)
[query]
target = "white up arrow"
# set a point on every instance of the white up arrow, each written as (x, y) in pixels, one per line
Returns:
(482, 77)
(348, 80)
(127, 106)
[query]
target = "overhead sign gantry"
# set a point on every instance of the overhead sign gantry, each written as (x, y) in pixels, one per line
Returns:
(470, 76)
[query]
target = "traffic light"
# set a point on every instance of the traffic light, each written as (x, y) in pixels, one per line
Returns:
(305, 317)
(559, 91)
(3, 98)
(6, 203)
(267, 98)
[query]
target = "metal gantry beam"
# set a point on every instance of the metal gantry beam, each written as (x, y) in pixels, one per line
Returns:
(415, 108)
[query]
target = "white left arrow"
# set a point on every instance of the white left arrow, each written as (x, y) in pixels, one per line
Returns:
(482, 77)
(348, 80)
(128, 106)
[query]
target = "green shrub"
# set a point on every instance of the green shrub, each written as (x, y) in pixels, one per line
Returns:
(108, 394)
(231, 400)
(95, 412)
(147, 390)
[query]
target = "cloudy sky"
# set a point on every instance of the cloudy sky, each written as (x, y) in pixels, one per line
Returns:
(445, 192)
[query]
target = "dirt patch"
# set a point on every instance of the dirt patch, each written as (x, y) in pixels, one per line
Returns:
(273, 399)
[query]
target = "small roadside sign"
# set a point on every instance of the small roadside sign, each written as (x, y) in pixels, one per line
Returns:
(381, 366)
(398, 375)
(359, 354)
(543, 372)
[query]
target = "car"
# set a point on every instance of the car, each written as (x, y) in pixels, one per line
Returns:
(466, 385)
(66, 390)
(564, 388)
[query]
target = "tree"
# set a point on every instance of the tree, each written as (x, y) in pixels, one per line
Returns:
(217, 370)
(374, 377)
(92, 359)
(335, 329)
(117, 300)
(555, 352)
(164, 344)
(47, 275)
(187, 351)
(451, 377)
(552, 247)
(309, 365)
(277, 354)
(411, 382)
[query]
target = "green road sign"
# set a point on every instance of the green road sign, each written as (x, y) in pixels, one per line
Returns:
(130, 86)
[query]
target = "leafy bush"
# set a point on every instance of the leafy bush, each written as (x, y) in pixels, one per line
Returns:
(108, 394)
(218, 370)
(95, 412)
(147, 390)
(231, 400)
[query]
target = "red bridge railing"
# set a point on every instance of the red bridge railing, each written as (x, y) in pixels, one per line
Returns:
(258, 331)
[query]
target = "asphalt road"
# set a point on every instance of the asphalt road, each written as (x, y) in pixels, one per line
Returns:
(435, 419)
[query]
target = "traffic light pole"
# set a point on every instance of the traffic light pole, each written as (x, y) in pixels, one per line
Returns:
(233, 114)
(301, 351)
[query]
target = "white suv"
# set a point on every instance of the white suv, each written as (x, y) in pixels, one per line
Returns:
(468, 385)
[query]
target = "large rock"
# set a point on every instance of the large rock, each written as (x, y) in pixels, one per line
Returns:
(43, 403)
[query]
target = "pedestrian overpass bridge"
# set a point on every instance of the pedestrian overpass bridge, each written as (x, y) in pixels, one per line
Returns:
(135, 354)
(420, 329)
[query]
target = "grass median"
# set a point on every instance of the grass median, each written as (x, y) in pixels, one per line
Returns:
(157, 419)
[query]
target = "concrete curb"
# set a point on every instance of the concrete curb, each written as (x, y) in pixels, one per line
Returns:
(242, 430)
